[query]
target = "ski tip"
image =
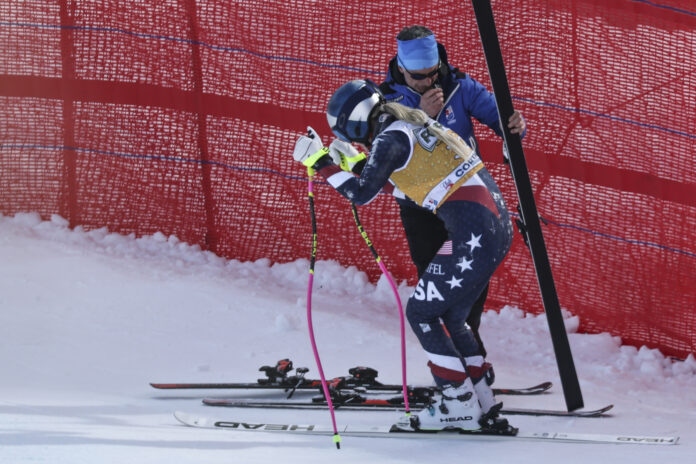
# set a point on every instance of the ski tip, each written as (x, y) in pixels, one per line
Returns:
(543, 387)
(607, 408)
(182, 417)
(191, 420)
(173, 386)
(594, 412)
(535, 390)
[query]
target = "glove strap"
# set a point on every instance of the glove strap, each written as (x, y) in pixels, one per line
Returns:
(309, 162)
(347, 163)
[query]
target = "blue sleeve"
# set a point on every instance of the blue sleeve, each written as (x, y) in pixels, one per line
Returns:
(480, 103)
(390, 150)
(482, 106)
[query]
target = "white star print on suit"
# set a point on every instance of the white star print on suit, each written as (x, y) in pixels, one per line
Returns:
(463, 265)
(475, 242)
(454, 282)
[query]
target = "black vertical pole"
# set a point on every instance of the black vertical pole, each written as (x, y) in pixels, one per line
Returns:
(530, 217)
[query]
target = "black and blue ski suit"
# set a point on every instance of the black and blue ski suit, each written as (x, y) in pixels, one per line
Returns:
(464, 100)
(463, 195)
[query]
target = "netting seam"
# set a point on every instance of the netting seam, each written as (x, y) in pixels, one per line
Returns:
(619, 239)
(671, 8)
(607, 116)
(142, 35)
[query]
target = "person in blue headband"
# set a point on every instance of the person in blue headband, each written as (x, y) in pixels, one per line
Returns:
(420, 76)
(418, 61)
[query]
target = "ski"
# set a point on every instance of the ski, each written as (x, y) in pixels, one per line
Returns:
(277, 377)
(310, 384)
(192, 420)
(391, 404)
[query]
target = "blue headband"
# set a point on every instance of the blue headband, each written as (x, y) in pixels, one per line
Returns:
(417, 54)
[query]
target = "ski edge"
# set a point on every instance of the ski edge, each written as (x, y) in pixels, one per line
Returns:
(192, 420)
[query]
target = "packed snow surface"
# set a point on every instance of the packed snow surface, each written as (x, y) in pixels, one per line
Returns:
(88, 319)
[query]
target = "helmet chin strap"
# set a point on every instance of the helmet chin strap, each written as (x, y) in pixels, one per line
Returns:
(372, 122)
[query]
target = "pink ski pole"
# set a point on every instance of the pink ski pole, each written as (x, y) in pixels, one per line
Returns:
(384, 270)
(324, 386)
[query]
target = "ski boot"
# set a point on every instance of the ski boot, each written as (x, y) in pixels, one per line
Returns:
(456, 408)
(482, 377)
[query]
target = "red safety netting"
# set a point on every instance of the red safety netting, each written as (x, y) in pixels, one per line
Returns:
(180, 117)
